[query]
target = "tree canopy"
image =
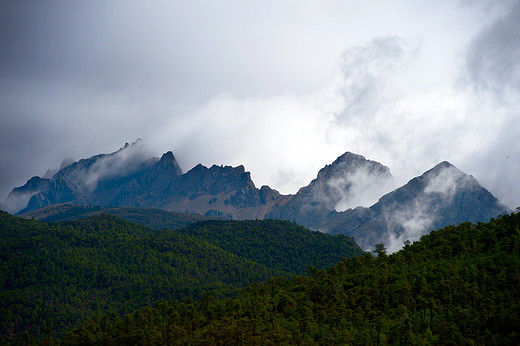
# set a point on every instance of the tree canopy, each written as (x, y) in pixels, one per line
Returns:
(456, 286)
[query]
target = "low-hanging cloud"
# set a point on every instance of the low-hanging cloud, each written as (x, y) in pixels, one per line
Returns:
(122, 163)
(362, 187)
(418, 217)
(408, 224)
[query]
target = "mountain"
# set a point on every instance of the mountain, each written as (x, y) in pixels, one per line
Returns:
(349, 181)
(129, 178)
(455, 286)
(222, 191)
(344, 198)
(105, 179)
(442, 196)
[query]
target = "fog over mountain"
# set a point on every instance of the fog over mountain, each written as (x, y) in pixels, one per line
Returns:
(281, 87)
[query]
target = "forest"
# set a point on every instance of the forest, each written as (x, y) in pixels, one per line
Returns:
(56, 275)
(151, 218)
(456, 286)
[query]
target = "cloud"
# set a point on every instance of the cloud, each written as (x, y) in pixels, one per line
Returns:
(121, 163)
(408, 223)
(445, 183)
(282, 89)
(301, 133)
(365, 71)
(268, 135)
(412, 220)
(365, 188)
(491, 78)
(493, 58)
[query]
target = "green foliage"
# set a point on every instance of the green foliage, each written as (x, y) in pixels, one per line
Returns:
(457, 286)
(62, 274)
(277, 244)
(54, 276)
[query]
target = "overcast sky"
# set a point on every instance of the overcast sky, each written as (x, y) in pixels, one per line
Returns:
(282, 87)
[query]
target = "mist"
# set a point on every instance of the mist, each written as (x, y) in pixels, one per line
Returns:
(417, 218)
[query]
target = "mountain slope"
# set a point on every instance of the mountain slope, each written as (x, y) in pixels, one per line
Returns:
(456, 286)
(57, 275)
(151, 218)
(277, 244)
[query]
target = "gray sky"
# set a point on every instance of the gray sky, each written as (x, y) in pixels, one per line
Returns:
(282, 87)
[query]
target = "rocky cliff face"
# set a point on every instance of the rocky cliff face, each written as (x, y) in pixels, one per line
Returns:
(219, 191)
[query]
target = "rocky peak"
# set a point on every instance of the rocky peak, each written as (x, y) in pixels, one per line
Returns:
(168, 160)
(348, 182)
(350, 177)
(349, 163)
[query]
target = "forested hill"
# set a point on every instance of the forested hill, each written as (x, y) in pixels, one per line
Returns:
(456, 286)
(277, 244)
(151, 218)
(54, 276)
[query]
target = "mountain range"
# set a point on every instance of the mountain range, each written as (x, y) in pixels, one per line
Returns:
(442, 196)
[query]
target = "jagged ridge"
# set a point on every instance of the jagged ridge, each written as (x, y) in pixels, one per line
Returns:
(128, 177)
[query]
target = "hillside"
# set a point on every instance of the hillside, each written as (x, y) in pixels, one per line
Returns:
(57, 275)
(456, 286)
(277, 244)
(151, 218)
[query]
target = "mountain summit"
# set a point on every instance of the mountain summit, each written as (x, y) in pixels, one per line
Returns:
(344, 198)
(350, 181)
(103, 179)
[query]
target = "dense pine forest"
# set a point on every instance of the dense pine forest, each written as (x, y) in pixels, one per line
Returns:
(456, 286)
(277, 244)
(54, 276)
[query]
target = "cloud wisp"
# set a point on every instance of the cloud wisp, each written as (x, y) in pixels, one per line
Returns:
(411, 220)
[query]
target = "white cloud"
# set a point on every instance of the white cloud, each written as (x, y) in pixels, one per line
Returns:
(281, 87)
